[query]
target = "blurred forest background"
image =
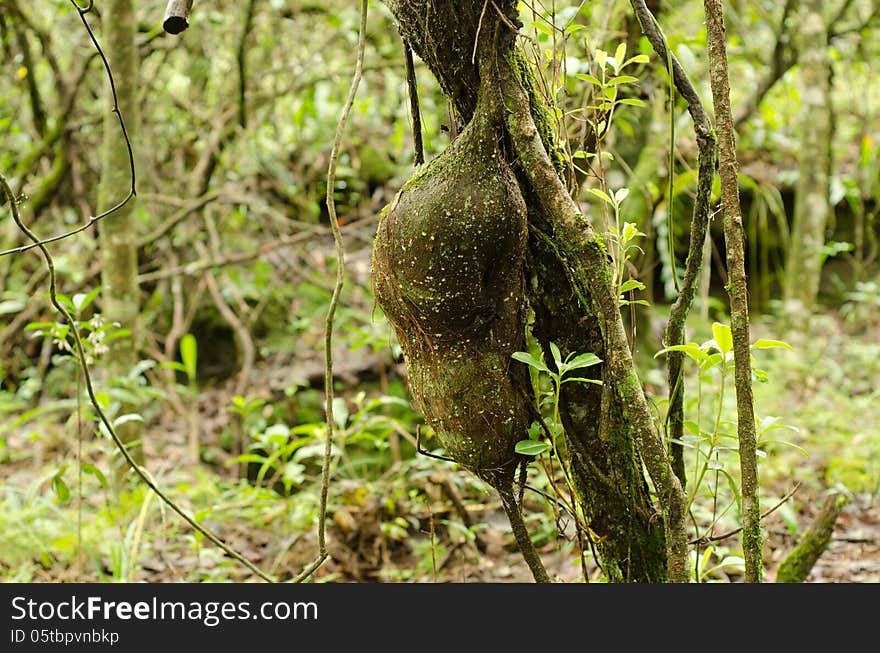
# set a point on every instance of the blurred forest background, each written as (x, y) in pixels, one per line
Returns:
(201, 304)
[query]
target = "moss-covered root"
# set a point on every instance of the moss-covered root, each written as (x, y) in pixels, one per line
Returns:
(813, 542)
(521, 533)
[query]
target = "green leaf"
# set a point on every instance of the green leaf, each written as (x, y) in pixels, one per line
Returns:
(691, 349)
(340, 412)
(33, 326)
(557, 355)
(11, 306)
(631, 101)
(631, 284)
(125, 419)
(65, 301)
(723, 337)
(589, 78)
(619, 55)
(535, 430)
(59, 487)
(531, 361)
(248, 458)
(639, 58)
(692, 426)
(797, 448)
(82, 300)
(584, 360)
(140, 367)
(543, 27)
(582, 380)
(764, 343)
(119, 333)
(622, 79)
(189, 354)
(531, 447)
(89, 468)
(712, 360)
(603, 195)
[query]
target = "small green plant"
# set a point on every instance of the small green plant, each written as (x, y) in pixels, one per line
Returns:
(189, 361)
(547, 382)
(714, 563)
(558, 376)
(130, 390)
(607, 76)
(711, 437)
(622, 241)
(97, 332)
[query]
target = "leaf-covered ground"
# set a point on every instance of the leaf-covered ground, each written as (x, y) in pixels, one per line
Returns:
(399, 517)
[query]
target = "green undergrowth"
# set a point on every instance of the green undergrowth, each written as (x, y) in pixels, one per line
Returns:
(390, 517)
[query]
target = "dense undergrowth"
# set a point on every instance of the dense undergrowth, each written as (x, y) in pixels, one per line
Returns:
(396, 515)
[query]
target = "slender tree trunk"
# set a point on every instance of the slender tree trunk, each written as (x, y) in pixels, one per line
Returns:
(811, 208)
(737, 288)
(118, 231)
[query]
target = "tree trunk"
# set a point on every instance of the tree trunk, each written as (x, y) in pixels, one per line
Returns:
(118, 231)
(479, 235)
(811, 209)
(737, 289)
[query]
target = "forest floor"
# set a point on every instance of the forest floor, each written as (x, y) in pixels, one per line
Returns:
(421, 520)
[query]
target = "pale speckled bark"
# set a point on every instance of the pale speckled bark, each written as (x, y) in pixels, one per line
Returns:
(811, 208)
(737, 288)
(118, 231)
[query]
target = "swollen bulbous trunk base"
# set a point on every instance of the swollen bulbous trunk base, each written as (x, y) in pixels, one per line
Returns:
(448, 273)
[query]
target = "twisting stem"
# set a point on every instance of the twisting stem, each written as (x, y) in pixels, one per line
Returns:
(96, 405)
(334, 300)
(413, 88)
(242, 62)
(699, 226)
(521, 533)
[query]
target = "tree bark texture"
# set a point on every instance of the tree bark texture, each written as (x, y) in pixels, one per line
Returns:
(118, 231)
(803, 267)
(812, 543)
(476, 239)
(737, 289)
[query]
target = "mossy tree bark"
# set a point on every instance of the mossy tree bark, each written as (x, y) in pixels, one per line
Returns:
(804, 260)
(737, 289)
(117, 231)
(812, 543)
(474, 239)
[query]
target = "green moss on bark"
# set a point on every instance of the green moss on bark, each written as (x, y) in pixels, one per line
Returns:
(448, 273)
(812, 544)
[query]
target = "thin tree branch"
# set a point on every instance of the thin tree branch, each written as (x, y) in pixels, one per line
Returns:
(334, 300)
(675, 327)
(737, 289)
(765, 514)
(177, 16)
(413, 89)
